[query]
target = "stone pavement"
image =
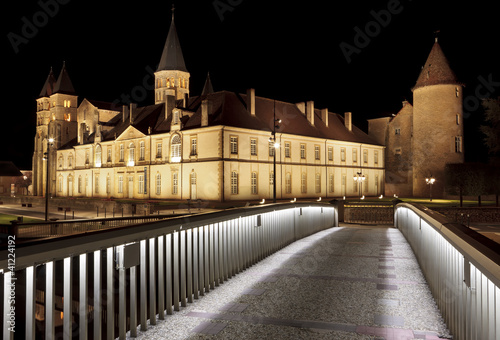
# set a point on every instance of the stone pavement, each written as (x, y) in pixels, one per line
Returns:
(352, 282)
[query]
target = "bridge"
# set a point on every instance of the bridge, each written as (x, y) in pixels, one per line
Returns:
(287, 269)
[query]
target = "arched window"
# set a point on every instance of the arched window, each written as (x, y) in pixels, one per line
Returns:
(98, 154)
(175, 155)
(131, 154)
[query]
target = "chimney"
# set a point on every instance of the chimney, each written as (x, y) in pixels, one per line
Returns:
(251, 102)
(169, 105)
(302, 107)
(133, 107)
(81, 133)
(405, 102)
(205, 110)
(124, 113)
(348, 120)
(324, 116)
(310, 112)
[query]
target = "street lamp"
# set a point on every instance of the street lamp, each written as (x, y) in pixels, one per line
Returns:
(359, 179)
(50, 142)
(430, 181)
(276, 145)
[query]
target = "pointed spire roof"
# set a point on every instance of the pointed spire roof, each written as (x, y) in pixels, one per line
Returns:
(207, 88)
(172, 58)
(48, 87)
(63, 84)
(436, 69)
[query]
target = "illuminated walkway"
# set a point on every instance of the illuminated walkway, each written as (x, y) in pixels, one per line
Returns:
(355, 282)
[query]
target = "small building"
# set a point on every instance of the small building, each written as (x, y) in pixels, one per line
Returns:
(9, 176)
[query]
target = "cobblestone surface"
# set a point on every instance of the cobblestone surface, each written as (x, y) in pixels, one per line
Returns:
(343, 283)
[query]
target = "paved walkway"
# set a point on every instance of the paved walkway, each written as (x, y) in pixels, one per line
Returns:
(354, 282)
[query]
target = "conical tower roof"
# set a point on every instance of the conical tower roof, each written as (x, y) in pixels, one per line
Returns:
(48, 87)
(436, 69)
(172, 58)
(63, 84)
(207, 88)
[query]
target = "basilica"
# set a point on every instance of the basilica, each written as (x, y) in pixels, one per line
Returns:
(220, 146)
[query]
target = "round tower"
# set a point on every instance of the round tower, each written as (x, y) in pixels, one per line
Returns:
(437, 123)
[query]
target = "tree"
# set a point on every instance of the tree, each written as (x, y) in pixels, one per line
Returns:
(491, 131)
(467, 179)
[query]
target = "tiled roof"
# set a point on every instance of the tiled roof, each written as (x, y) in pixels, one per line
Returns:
(436, 69)
(7, 168)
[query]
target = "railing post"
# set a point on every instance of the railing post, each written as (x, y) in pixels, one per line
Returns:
(83, 307)
(152, 282)
(50, 292)
(31, 303)
(110, 310)
(97, 295)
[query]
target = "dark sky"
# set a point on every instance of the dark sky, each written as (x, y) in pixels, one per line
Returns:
(286, 50)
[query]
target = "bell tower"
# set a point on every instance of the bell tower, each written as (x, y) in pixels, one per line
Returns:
(437, 123)
(171, 77)
(55, 126)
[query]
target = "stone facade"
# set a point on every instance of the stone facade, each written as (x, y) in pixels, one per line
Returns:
(422, 138)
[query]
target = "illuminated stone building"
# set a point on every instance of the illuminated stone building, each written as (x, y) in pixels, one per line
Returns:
(422, 138)
(215, 146)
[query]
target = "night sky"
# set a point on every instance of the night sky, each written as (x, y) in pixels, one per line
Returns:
(288, 51)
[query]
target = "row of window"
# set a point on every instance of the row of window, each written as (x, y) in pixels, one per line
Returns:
(142, 188)
(171, 82)
(287, 152)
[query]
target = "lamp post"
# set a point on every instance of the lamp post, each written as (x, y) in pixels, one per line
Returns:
(430, 181)
(276, 145)
(50, 141)
(359, 179)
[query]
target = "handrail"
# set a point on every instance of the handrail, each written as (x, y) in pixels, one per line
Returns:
(461, 266)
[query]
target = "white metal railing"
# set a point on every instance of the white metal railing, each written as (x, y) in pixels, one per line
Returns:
(461, 267)
(127, 276)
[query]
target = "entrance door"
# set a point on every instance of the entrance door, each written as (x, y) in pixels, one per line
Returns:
(130, 187)
(193, 185)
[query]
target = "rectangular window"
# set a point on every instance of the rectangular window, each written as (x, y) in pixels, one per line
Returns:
(80, 184)
(354, 155)
(96, 184)
(342, 154)
(159, 147)
(109, 156)
(142, 151)
(234, 145)
(253, 183)
(355, 186)
(122, 152)
(108, 185)
(318, 183)
(120, 184)
(288, 183)
(194, 147)
(158, 184)
(331, 182)
(234, 183)
(302, 151)
(365, 156)
(175, 183)
(141, 184)
(60, 184)
(397, 131)
(253, 147)
(316, 152)
(458, 144)
(375, 157)
(303, 183)
(330, 153)
(272, 149)
(287, 149)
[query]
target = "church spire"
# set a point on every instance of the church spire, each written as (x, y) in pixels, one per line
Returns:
(64, 84)
(48, 87)
(207, 88)
(172, 58)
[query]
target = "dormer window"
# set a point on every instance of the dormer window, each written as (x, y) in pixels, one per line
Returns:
(176, 117)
